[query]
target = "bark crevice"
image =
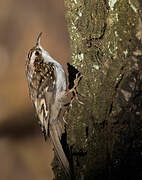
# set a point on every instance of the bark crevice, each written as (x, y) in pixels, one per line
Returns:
(106, 48)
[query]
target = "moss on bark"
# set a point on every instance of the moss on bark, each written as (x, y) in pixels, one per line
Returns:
(104, 134)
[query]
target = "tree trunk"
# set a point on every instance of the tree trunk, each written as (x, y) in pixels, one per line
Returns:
(104, 136)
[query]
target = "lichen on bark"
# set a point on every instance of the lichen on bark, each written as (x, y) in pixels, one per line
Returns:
(106, 40)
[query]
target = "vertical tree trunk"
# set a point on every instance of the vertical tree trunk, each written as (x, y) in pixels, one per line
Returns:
(105, 134)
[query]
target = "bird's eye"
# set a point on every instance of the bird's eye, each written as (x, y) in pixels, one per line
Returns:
(37, 53)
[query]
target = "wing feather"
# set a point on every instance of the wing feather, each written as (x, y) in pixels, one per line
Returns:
(48, 109)
(45, 96)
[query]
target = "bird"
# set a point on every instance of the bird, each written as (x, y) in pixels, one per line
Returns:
(48, 88)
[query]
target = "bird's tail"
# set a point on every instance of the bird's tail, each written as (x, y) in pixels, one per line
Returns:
(55, 134)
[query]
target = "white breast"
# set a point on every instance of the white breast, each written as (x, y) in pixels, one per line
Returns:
(61, 84)
(61, 79)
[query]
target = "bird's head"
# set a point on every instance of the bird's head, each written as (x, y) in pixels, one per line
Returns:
(35, 54)
(38, 58)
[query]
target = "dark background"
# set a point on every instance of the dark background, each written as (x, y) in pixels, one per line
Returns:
(23, 152)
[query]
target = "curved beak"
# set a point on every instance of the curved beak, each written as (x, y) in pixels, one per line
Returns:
(38, 39)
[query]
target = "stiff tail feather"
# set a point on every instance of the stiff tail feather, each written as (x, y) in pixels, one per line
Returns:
(54, 134)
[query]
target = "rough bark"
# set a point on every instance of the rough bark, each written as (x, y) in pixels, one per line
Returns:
(104, 135)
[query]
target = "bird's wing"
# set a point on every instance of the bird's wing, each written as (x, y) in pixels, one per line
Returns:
(48, 110)
(45, 97)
